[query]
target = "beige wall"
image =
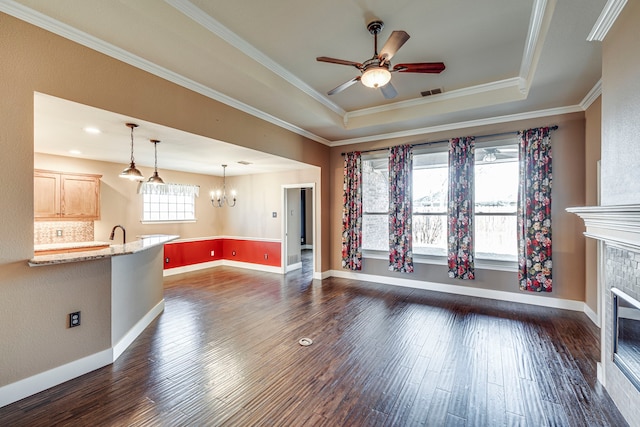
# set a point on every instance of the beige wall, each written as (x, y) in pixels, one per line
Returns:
(621, 110)
(593, 120)
(37, 61)
(568, 190)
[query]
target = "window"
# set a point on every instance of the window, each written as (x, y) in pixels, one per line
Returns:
(496, 191)
(375, 203)
(169, 202)
(496, 197)
(430, 195)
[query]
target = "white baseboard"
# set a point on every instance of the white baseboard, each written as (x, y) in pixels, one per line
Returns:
(468, 291)
(210, 264)
(592, 315)
(44, 380)
(193, 267)
(137, 329)
(251, 266)
(306, 247)
(292, 267)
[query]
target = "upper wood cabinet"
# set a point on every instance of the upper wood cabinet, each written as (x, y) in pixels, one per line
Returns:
(61, 195)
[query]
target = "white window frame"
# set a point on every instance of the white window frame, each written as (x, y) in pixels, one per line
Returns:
(482, 261)
(166, 193)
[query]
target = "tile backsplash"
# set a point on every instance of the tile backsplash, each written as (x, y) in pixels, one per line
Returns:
(46, 232)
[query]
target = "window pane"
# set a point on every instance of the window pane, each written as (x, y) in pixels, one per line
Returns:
(496, 236)
(375, 185)
(375, 232)
(430, 189)
(430, 234)
(168, 207)
(496, 181)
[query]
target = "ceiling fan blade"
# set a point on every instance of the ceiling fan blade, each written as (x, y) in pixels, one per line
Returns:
(394, 42)
(343, 86)
(388, 91)
(420, 67)
(339, 61)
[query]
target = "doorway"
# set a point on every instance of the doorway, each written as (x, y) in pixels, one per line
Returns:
(298, 228)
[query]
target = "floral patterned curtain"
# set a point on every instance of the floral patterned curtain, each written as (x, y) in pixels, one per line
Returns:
(460, 211)
(400, 208)
(534, 211)
(352, 212)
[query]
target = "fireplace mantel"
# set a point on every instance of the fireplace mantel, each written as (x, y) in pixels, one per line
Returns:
(618, 224)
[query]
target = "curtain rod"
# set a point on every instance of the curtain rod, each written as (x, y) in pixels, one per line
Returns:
(492, 135)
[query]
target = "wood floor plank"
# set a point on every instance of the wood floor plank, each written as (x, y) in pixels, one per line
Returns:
(225, 352)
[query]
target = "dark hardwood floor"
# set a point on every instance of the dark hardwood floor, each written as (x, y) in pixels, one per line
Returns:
(225, 352)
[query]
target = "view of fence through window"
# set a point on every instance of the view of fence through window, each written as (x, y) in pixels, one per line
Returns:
(496, 191)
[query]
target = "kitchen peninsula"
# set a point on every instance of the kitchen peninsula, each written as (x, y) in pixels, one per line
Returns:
(136, 284)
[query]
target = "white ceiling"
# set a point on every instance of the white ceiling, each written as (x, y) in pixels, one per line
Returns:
(504, 58)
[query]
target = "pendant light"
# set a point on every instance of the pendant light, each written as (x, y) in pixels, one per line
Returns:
(218, 199)
(132, 172)
(155, 178)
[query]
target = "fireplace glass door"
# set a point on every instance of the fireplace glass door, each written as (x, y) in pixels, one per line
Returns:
(626, 335)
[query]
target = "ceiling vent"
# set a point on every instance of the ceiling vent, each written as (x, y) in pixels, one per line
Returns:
(431, 92)
(244, 162)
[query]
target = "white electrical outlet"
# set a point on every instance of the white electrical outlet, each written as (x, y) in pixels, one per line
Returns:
(59, 233)
(213, 253)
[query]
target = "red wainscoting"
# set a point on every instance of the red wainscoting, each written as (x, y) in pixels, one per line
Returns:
(180, 254)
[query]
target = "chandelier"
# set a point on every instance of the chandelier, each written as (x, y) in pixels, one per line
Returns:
(219, 198)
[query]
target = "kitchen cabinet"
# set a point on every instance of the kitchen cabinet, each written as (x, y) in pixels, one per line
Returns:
(62, 195)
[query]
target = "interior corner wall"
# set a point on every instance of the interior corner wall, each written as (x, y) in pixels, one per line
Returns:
(620, 171)
(568, 190)
(35, 60)
(593, 130)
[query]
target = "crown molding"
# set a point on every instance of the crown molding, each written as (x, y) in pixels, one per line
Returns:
(541, 15)
(54, 26)
(462, 125)
(606, 20)
(454, 94)
(590, 97)
(199, 16)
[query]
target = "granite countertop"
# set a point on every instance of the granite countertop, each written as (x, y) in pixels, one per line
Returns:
(143, 243)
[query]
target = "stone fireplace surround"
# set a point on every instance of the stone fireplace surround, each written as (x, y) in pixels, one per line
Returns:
(618, 230)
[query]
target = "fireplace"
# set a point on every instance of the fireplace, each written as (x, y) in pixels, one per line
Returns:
(617, 228)
(626, 335)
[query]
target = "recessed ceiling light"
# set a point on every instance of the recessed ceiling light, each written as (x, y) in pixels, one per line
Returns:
(92, 130)
(75, 152)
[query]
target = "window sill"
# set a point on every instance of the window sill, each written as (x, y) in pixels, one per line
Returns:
(480, 263)
(170, 221)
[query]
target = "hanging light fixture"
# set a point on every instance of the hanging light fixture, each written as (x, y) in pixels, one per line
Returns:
(155, 178)
(218, 198)
(132, 172)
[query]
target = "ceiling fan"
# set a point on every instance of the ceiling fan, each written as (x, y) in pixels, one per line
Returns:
(376, 72)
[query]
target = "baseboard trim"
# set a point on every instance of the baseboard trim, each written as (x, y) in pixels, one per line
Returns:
(192, 267)
(591, 315)
(58, 375)
(467, 291)
(292, 267)
(137, 329)
(250, 266)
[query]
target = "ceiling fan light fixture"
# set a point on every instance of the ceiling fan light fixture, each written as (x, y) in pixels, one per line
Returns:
(375, 76)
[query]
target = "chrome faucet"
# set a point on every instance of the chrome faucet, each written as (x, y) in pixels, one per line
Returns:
(124, 233)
